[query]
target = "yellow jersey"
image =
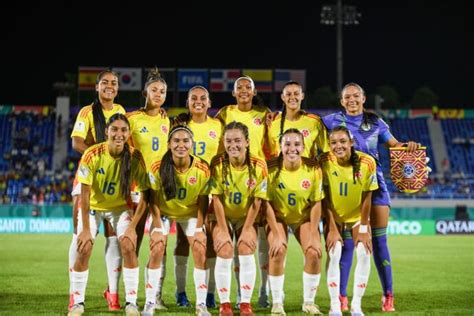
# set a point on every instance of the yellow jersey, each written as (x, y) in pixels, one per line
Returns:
(149, 134)
(293, 193)
(102, 172)
(207, 137)
(84, 125)
(253, 119)
(190, 185)
(313, 130)
(344, 195)
(238, 188)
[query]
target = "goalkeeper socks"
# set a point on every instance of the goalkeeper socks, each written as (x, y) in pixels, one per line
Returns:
(382, 258)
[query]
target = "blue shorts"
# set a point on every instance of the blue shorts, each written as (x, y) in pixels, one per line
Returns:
(381, 196)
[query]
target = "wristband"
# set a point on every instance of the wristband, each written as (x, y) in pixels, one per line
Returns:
(156, 230)
(363, 229)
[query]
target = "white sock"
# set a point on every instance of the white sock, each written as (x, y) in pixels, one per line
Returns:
(334, 276)
(310, 286)
(152, 280)
(211, 285)
(248, 274)
(113, 262)
(222, 273)
(180, 272)
(200, 284)
(161, 281)
(276, 286)
(361, 276)
(237, 271)
(78, 285)
(72, 257)
(263, 260)
(130, 279)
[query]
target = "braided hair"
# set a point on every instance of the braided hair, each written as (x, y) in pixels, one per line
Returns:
(97, 112)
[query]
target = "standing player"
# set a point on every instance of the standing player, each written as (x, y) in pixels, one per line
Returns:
(207, 137)
(239, 183)
(310, 125)
(88, 130)
(149, 135)
(368, 130)
(349, 180)
(253, 116)
(295, 194)
(179, 185)
(106, 173)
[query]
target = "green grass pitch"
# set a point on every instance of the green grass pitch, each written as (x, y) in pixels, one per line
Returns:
(433, 275)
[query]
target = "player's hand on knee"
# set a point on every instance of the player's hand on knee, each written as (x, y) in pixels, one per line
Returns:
(84, 242)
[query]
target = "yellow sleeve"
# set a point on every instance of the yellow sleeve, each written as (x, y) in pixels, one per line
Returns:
(318, 185)
(82, 124)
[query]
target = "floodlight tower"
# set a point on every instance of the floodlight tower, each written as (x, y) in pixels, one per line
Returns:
(339, 15)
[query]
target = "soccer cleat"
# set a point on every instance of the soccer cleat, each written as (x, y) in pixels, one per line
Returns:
(131, 309)
(263, 300)
(387, 303)
(182, 300)
(277, 309)
(112, 300)
(245, 309)
(148, 309)
(160, 304)
(210, 300)
(311, 308)
(76, 310)
(344, 303)
(201, 310)
(226, 310)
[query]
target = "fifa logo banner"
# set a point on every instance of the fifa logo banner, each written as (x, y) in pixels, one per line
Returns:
(408, 170)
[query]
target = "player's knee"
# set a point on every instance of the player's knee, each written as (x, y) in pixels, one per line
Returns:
(226, 251)
(157, 253)
(311, 256)
(244, 249)
(127, 247)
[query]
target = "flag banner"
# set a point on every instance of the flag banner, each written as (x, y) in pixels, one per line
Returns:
(87, 77)
(408, 170)
(263, 79)
(188, 78)
(130, 79)
(282, 76)
(222, 80)
(169, 74)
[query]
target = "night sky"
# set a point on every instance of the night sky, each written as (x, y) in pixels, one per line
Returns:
(406, 44)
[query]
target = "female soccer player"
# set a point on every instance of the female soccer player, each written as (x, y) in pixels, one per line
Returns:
(239, 183)
(295, 194)
(106, 173)
(149, 133)
(310, 125)
(207, 139)
(368, 130)
(89, 129)
(349, 180)
(179, 185)
(253, 116)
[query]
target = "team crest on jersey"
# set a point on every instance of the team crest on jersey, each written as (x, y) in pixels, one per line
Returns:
(257, 121)
(305, 184)
(251, 183)
(212, 134)
(305, 132)
(192, 180)
(164, 129)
